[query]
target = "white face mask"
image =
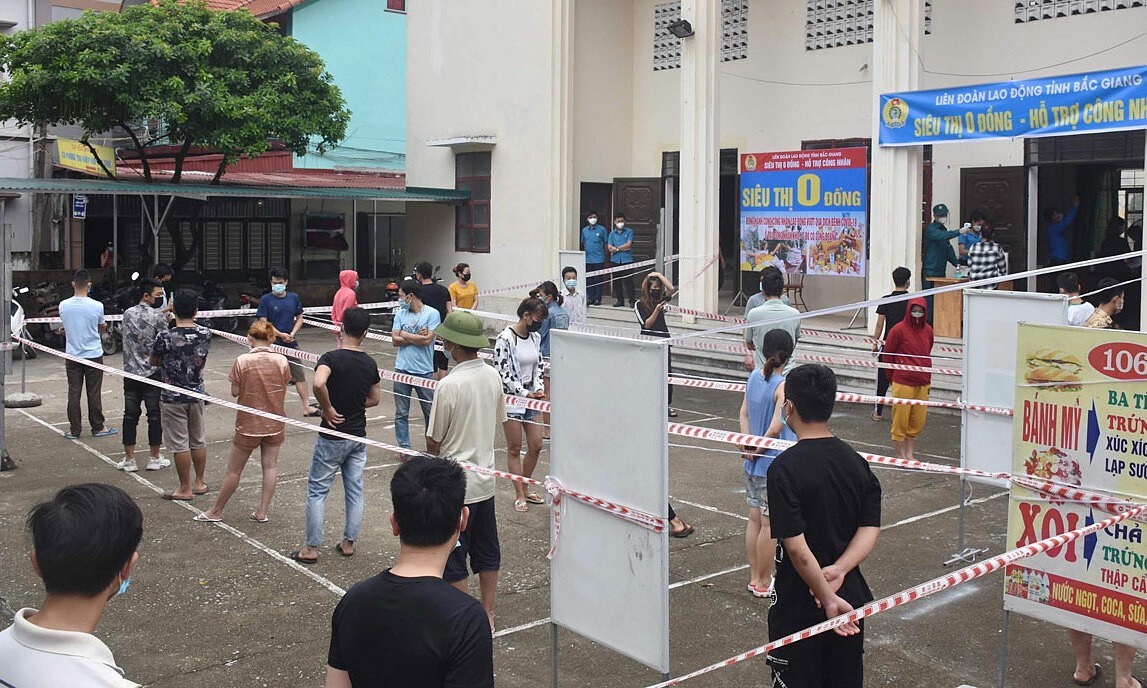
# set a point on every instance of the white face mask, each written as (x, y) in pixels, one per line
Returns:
(621, 225)
(917, 314)
(592, 221)
(449, 352)
(942, 220)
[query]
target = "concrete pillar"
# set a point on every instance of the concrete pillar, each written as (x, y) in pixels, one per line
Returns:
(895, 234)
(700, 154)
(562, 213)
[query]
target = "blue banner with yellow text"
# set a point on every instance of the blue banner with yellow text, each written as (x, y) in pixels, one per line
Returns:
(1056, 106)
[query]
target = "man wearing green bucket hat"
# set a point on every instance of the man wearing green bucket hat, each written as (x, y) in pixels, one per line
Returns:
(467, 412)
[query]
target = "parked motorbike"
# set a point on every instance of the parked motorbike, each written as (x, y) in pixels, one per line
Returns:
(17, 325)
(213, 298)
(389, 295)
(249, 300)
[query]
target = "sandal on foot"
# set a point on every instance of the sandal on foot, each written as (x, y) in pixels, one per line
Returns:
(521, 505)
(340, 550)
(313, 411)
(303, 560)
(255, 517)
(1094, 677)
(199, 493)
(683, 533)
(533, 498)
(171, 496)
(758, 592)
(202, 517)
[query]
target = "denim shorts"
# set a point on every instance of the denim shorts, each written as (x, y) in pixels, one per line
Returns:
(526, 415)
(756, 494)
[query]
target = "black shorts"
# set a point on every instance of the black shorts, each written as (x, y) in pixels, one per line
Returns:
(440, 360)
(822, 660)
(479, 542)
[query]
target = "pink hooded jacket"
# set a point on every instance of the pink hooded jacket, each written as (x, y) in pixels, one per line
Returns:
(345, 297)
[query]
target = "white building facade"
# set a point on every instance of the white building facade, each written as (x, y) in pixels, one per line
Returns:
(550, 108)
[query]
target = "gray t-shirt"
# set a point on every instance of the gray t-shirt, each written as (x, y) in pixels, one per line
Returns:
(767, 312)
(141, 325)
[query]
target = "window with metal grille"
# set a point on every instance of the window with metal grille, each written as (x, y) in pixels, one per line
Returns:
(1036, 10)
(257, 245)
(734, 33)
(734, 30)
(837, 23)
(472, 217)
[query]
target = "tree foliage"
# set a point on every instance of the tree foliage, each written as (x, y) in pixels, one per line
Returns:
(221, 80)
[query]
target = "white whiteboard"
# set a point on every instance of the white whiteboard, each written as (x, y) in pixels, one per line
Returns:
(575, 260)
(609, 579)
(990, 320)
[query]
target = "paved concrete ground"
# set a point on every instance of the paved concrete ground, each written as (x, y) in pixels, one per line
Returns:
(220, 605)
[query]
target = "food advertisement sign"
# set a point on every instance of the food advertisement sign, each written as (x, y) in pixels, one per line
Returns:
(805, 211)
(1080, 423)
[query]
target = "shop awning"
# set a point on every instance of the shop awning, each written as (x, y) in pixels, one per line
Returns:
(134, 188)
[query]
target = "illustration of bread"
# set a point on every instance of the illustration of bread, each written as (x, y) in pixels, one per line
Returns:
(1054, 370)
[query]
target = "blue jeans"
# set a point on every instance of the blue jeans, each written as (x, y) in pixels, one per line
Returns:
(402, 394)
(330, 456)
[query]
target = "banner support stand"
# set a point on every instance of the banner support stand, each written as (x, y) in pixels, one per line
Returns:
(1003, 668)
(965, 554)
(554, 654)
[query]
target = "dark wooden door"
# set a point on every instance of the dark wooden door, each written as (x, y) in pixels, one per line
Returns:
(1001, 192)
(640, 201)
(596, 197)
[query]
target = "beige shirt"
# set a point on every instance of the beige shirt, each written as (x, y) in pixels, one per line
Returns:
(467, 412)
(1099, 320)
(262, 376)
(36, 657)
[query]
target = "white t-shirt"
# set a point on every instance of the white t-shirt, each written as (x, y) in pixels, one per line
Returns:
(529, 358)
(467, 412)
(575, 306)
(35, 657)
(1078, 313)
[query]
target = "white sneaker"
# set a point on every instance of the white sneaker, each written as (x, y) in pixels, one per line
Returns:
(127, 465)
(157, 463)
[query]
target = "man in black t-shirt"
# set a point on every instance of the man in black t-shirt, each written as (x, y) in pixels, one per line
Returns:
(346, 384)
(887, 316)
(824, 508)
(406, 627)
(437, 297)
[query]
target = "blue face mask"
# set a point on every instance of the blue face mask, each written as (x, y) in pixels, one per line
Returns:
(278, 289)
(571, 284)
(123, 586)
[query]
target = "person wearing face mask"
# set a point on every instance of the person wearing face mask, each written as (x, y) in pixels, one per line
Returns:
(593, 238)
(620, 246)
(986, 258)
(468, 409)
(969, 239)
(142, 323)
(284, 310)
(84, 543)
(573, 300)
(463, 292)
(909, 343)
(938, 252)
(413, 336)
(345, 298)
(518, 360)
(1110, 302)
(656, 290)
(558, 319)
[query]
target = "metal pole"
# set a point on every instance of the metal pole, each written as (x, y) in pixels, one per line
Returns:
(554, 654)
(155, 227)
(6, 463)
(1003, 651)
(115, 236)
(961, 519)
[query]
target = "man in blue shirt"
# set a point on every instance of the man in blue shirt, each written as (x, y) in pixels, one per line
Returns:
(593, 243)
(83, 319)
(284, 310)
(1058, 243)
(620, 246)
(413, 335)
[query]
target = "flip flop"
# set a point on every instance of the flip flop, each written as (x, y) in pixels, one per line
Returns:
(314, 413)
(534, 499)
(170, 496)
(1090, 681)
(202, 517)
(254, 517)
(106, 432)
(684, 532)
(343, 552)
(521, 505)
(295, 556)
(200, 493)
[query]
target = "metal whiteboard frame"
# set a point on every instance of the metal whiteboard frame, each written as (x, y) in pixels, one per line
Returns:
(609, 577)
(991, 319)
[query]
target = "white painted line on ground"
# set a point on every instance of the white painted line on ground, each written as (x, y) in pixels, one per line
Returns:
(700, 579)
(886, 448)
(706, 507)
(301, 478)
(934, 603)
(326, 583)
(937, 512)
(523, 627)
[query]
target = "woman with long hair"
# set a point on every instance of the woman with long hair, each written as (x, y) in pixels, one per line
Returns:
(518, 359)
(656, 290)
(761, 416)
(463, 292)
(259, 379)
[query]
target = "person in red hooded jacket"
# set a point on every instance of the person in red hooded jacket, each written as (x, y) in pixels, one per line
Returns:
(345, 298)
(910, 343)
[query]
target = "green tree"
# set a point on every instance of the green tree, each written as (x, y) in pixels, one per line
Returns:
(223, 81)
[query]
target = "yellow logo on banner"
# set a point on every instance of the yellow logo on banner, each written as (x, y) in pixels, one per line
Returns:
(895, 113)
(76, 156)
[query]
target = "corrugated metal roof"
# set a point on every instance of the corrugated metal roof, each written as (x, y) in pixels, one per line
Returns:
(132, 188)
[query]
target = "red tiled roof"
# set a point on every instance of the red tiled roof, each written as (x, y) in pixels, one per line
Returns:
(330, 179)
(259, 8)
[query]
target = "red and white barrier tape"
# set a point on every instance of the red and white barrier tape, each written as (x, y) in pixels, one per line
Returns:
(816, 358)
(526, 286)
(914, 593)
(226, 313)
(1070, 493)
